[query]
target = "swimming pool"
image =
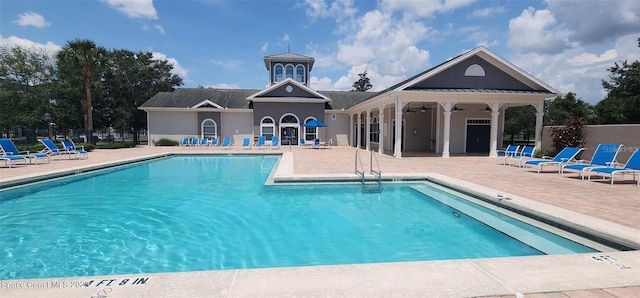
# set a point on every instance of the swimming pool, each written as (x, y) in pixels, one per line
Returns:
(190, 213)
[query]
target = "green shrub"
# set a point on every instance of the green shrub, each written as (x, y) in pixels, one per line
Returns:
(116, 145)
(166, 142)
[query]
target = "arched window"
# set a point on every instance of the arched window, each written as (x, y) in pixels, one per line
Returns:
(208, 129)
(474, 70)
(310, 133)
(289, 71)
(300, 73)
(267, 128)
(288, 119)
(374, 130)
(278, 72)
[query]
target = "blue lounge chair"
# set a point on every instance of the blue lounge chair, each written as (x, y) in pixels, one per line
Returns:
(246, 143)
(214, 142)
(604, 156)
(185, 142)
(525, 154)
(260, 143)
(316, 144)
(275, 142)
(511, 151)
(12, 160)
(51, 148)
(194, 142)
(8, 149)
(71, 148)
(565, 156)
(631, 167)
(226, 143)
(204, 142)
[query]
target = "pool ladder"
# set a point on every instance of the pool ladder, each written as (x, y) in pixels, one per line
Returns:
(369, 186)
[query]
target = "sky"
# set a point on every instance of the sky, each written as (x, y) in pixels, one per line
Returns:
(568, 44)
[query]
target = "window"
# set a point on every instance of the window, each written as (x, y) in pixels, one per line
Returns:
(474, 70)
(310, 133)
(300, 73)
(278, 71)
(208, 129)
(289, 71)
(374, 131)
(267, 128)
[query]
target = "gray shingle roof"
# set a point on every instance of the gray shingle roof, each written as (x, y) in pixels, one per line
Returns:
(236, 98)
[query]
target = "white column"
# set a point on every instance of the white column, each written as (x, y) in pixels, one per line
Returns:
(380, 130)
(493, 143)
(367, 131)
(397, 149)
(539, 115)
(358, 131)
(351, 129)
(447, 127)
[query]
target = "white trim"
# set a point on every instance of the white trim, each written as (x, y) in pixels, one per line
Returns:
(215, 128)
(208, 102)
(272, 125)
(275, 67)
(304, 129)
(284, 82)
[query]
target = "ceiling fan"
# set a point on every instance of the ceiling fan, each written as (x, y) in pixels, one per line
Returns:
(409, 111)
(455, 109)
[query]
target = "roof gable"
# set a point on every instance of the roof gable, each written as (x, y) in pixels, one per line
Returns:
(465, 72)
(288, 89)
(207, 104)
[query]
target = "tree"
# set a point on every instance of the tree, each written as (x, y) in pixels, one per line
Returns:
(558, 110)
(569, 135)
(26, 81)
(363, 84)
(622, 104)
(520, 120)
(130, 79)
(84, 58)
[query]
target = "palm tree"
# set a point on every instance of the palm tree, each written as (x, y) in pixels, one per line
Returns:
(83, 57)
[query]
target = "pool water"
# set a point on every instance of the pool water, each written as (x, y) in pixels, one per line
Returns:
(188, 213)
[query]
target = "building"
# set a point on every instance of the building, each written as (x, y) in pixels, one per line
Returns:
(454, 108)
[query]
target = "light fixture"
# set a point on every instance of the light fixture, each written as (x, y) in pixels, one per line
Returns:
(455, 109)
(409, 111)
(423, 109)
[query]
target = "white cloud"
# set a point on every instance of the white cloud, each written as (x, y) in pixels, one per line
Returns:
(50, 48)
(322, 84)
(537, 31)
(228, 64)
(159, 28)
(488, 12)
(338, 9)
(264, 47)
(578, 70)
(594, 22)
(177, 68)
(31, 19)
(222, 86)
(424, 8)
(142, 9)
(590, 58)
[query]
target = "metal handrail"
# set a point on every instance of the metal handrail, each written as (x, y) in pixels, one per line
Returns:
(377, 173)
(358, 161)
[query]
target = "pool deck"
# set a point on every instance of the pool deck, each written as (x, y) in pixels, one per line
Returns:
(611, 212)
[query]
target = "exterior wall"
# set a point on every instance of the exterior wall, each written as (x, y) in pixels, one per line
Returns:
(215, 116)
(421, 123)
(626, 134)
(172, 125)
(236, 123)
(458, 133)
(277, 110)
(339, 125)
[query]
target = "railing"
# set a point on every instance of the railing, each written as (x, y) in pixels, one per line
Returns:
(358, 166)
(377, 173)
